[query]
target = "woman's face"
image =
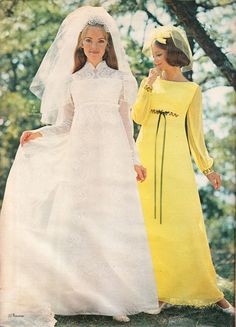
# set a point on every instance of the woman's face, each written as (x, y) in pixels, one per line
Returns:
(94, 44)
(159, 57)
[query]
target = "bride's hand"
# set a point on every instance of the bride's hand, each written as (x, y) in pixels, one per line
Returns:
(141, 173)
(215, 180)
(29, 136)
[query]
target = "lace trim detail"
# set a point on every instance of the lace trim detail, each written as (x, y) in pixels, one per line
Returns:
(101, 71)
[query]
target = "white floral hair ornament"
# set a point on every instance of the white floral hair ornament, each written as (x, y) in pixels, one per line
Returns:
(177, 34)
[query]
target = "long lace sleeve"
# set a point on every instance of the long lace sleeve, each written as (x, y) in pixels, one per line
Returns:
(128, 125)
(196, 134)
(142, 105)
(66, 118)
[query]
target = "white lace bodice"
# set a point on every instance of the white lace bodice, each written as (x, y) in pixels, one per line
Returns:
(102, 70)
(100, 88)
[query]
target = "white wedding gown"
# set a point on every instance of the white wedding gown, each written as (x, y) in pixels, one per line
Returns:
(73, 239)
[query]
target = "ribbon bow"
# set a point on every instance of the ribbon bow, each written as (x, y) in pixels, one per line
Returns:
(159, 34)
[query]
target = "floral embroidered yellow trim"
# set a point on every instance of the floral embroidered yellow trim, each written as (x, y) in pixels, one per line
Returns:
(170, 113)
(147, 88)
(208, 171)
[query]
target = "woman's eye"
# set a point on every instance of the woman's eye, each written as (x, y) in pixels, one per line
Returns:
(88, 40)
(101, 41)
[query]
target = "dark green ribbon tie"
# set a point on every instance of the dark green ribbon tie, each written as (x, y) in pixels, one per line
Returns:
(161, 113)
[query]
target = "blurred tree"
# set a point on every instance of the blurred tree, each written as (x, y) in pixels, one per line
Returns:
(26, 31)
(219, 207)
(186, 12)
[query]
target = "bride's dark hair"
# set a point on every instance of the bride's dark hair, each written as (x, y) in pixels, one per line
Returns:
(109, 55)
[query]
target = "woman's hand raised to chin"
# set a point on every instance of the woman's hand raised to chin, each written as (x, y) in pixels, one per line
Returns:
(29, 136)
(214, 179)
(141, 173)
(152, 76)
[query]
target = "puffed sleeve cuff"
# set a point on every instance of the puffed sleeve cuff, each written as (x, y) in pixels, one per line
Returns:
(206, 166)
(208, 170)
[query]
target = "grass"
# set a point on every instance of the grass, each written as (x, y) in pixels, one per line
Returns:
(176, 316)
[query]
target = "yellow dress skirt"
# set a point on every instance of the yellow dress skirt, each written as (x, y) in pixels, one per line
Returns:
(181, 256)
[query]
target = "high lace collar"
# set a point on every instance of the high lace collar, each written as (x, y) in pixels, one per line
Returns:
(98, 68)
(102, 70)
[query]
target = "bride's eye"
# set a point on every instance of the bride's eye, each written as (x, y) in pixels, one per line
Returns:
(87, 41)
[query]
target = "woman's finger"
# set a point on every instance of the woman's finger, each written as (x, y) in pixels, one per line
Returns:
(141, 175)
(144, 172)
(24, 137)
(215, 180)
(215, 183)
(218, 182)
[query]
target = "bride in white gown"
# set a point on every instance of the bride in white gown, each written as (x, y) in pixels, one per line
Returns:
(72, 235)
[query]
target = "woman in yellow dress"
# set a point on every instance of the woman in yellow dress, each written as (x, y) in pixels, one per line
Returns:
(166, 102)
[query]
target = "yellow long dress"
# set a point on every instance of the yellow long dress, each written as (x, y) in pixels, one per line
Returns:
(181, 256)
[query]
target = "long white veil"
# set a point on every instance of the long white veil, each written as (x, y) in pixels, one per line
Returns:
(50, 81)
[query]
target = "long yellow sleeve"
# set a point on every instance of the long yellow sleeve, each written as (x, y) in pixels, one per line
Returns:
(196, 133)
(142, 106)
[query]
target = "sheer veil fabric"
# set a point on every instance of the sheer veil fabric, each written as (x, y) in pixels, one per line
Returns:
(50, 82)
(72, 235)
(178, 36)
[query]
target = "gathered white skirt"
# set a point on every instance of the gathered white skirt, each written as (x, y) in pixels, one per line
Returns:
(72, 234)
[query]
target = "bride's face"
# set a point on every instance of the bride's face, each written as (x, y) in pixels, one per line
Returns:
(94, 44)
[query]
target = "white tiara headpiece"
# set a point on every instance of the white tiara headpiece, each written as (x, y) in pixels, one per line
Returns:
(96, 20)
